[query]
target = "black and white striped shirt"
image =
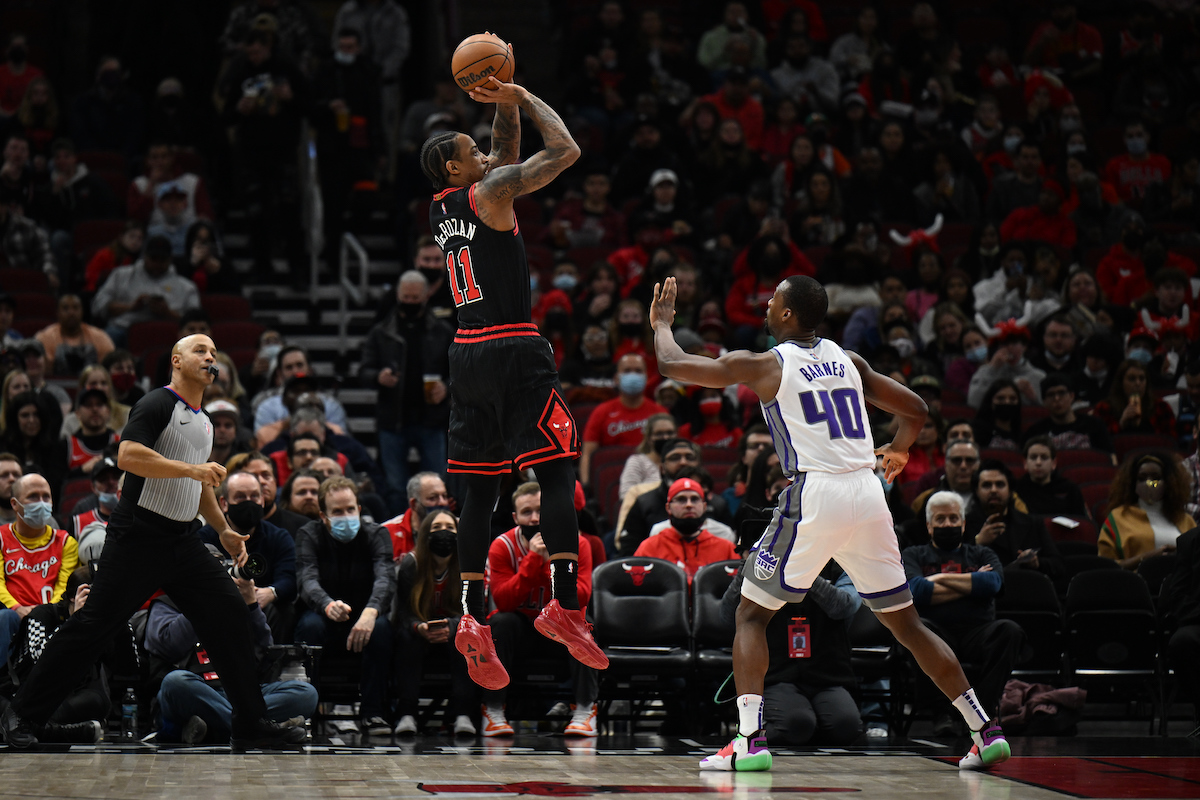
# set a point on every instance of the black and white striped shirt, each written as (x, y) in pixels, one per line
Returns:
(165, 423)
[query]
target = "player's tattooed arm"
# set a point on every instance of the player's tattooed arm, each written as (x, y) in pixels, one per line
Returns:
(506, 136)
(503, 184)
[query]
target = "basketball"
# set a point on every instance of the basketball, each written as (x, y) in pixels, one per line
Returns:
(479, 57)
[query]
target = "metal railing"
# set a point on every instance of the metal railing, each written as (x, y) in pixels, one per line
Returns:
(313, 210)
(351, 249)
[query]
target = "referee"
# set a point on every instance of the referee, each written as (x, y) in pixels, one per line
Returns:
(152, 544)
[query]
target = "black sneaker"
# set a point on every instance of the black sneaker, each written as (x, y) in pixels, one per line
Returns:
(194, 731)
(268, 735)
(16, 732)
(88, 732)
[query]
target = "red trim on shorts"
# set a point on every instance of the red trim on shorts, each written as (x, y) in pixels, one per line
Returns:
(553, 449)
(525, 464)
(471, 198)
(471, 335)
(445, 192)
(479, 467)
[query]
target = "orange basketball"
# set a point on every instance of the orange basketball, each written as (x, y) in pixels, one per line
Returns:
(479, 57)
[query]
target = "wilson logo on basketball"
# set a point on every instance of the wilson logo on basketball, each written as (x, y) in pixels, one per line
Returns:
(638, 574)
(471, 78)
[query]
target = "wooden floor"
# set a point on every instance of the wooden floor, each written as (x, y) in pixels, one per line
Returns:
(544, 765)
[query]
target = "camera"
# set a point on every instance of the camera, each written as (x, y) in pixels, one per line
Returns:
(252, 570)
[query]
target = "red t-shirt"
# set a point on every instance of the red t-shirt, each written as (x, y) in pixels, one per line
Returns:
(12, 87)
(30, 576)
(713, 435)
(1030, 223)
(1133, 177)
(612, 423)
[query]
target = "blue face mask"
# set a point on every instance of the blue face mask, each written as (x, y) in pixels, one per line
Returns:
(109, 499)
(1136, 145)
(565, 282)
(977, 355)
(1140, 355)
(887, 487)
(344, 529)
(533, 283)
(632, 383)
(37, 514)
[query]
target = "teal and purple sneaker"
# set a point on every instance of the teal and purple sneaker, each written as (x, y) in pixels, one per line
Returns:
(743, 754)
(989, 749)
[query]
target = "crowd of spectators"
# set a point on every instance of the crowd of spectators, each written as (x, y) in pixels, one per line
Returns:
(1001, 200)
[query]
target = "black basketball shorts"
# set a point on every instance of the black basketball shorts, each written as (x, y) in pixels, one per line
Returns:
(506, 403)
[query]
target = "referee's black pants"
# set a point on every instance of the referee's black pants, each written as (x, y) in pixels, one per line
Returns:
(139, 559)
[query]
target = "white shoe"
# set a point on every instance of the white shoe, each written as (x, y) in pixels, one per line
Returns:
(407, 726)
(583, 722)
(463, 726)
(495, 723)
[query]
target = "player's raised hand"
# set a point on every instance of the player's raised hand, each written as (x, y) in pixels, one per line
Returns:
(894, 461)
(496, 92)
(662, 308)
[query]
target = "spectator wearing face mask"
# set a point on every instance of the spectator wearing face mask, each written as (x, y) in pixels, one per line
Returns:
(684, 541)
(425, 616)
(998, 424)
(1145, 509)
(619, 421)
(426, 492)
(1139, 169)
(39, 559)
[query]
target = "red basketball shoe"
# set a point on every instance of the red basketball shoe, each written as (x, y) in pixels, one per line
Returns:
(474, 641)
(570, 628)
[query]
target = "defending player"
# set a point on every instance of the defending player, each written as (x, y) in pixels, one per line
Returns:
(506, 405)
(813, 397)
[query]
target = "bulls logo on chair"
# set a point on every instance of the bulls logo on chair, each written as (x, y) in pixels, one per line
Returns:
(637, 572)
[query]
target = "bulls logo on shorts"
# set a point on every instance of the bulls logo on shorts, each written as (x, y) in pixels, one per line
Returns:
(765, 564)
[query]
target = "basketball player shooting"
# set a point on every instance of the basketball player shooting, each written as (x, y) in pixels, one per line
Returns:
(813, 396)
(506, 405)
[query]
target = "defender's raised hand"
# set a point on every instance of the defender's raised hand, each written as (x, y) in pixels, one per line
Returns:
(662, 309)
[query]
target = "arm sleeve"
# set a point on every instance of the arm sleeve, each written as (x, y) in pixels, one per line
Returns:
(835, 600)
(384, 566)
(169, 635)
(70, 560)
(307, 574)
(285, 568)
(148, 418)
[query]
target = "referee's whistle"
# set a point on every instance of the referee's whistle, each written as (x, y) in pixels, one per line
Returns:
(213, 370)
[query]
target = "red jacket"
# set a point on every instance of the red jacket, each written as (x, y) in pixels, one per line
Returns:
(669, 545)
(519, 579)
(403, 538)
(1030, 223)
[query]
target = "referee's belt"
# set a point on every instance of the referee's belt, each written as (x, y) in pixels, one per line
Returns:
(514, 329)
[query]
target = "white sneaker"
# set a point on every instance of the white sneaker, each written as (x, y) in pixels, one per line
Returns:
(583, 722)
(463, 726)
(495, 723)
(407, 726)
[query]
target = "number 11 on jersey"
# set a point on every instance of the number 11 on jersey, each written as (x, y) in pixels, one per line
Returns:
(453, 265)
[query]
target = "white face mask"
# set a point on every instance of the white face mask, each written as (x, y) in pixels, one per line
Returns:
(905, 347)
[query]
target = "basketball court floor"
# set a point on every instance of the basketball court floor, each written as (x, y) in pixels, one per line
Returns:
(544, 765)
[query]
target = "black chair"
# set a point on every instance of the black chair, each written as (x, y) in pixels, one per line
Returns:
(713, 637)
(1155, 570)
(1112, 636)
(875, 657)
(1079, 564)
(1030, 600)
(640, 613)
(1066, 549)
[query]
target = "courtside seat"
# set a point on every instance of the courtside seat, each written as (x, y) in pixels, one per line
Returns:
(640, 608)
(713, 636)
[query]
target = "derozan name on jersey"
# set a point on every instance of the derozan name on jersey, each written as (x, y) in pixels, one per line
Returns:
(453, 227)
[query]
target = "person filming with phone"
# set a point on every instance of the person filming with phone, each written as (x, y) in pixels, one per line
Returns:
(425, 617)
(994, 522)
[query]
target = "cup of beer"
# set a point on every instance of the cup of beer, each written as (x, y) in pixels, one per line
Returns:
(430, 382)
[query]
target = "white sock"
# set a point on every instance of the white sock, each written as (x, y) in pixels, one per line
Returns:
(971, 709)
(749, 708)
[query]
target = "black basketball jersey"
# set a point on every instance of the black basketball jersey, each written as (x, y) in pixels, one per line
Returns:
(488, 273)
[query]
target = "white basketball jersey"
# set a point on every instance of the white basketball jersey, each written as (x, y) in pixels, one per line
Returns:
(819, 418)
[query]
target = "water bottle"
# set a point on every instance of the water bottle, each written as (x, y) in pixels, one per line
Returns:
(129, 716)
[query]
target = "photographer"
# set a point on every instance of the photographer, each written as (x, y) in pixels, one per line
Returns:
(425, 615)
(89, 701)
(192, 703)
(345, 567)
(271, 550)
